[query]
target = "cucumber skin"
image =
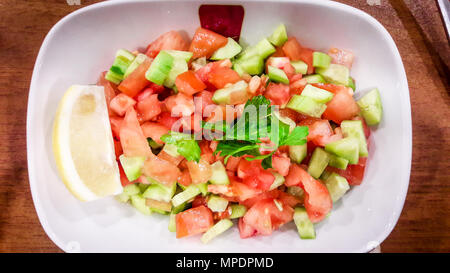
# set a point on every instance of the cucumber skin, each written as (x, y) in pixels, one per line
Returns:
(354, 128)
(305, 227)
(219, 228)
(319, 161)
(371, 107)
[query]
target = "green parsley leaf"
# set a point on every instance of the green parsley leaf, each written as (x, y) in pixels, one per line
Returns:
(296, 137)
(187, 146)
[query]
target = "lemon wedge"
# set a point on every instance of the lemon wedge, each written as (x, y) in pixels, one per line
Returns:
(83, 144)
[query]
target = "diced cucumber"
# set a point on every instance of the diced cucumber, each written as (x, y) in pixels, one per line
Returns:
(160, 192)
(335, 73)
(142, 187)
(179, 66)
(314, 78)
(131, 189)
(265, 48)
(186, 195)
(182, 186)
(347, 148)
(238, 68)
(139, 203)
(338, 162)
(297, 153)
(351, 83)
(337, 186)
(223, 96)
(153, 144)
(325, 175)
(300, 67)
(198, 63)
(371, 107)
(317, 94)
(305, 227)
(113, 77)
(160, 68)
(219, 174)
(253, 65)
(217, 203)
(122, 197)
(231, 49)
(321, 60)
(159, 206)
(140, 58)
(306, 105)
(125, 55)
(172, 223)
(178, 54)
(354, 128)
(237, 211)
(319, 161)
(219, 228)
(179, 208)
(279, 180)
(279, 36)
(123, 60)
(171, 149)
(203, 187)
(296, 191)
(277, 75)
(132, 166)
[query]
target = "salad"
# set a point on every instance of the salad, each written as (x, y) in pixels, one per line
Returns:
(208, 131)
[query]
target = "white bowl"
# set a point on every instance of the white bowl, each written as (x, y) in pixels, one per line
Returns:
(83, 44)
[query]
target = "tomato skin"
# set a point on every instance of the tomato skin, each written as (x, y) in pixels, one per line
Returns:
(206, 152)
(188, 83)
(293, 177)
(154, 131)
(161, 170)
(317, 198)
(171, 40)
(193, 221)
(120, 104)
(148, 108)
(232, 163)
(205, 42)
(278, 93)
(118, 149)
(295, 52)
(116, 122)
(200, 172)
(199, 200)
(132, 138)
(354, 172)
(221, 76)
(202, 100)
(253, 175)
(136, 81)
(341, 107)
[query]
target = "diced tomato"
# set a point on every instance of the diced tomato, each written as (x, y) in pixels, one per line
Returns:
(245, 231)
(167, 120)
(278, 93)
(161, 170)
(334, 88)
(188, 83)
(206, 152)
(289, 199)
(265, 216)
(205, 42)
(320, 131)
(294, 115)
(116, 122)
(232, 163)
(154, 131)
(296, 87)
(148, 108)
(281, 164)
(279, 52)
(341, 107)
(282, 63)
(293, 177)
(295, 52)
(202, 100)
(110, 89)
(340, 56)
(203, 73)
(221, 76)
(118, 149)
(180, 105)
(317, 198)
(354, 172)
(132, 138)
(200, 171)
(235, 189)
(253, 175)
(123, 178)
(120, 104)
(172, 159)
(193, 221)
(217, 216)
(191, 123)
(199, 200)
(273, 194)
(185, 178)
(171, 40)
(136, 81)
(152, 89)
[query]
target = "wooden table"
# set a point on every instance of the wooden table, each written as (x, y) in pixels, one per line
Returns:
(419, 34)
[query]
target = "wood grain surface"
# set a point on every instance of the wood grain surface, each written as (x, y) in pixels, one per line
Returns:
(418, 31)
